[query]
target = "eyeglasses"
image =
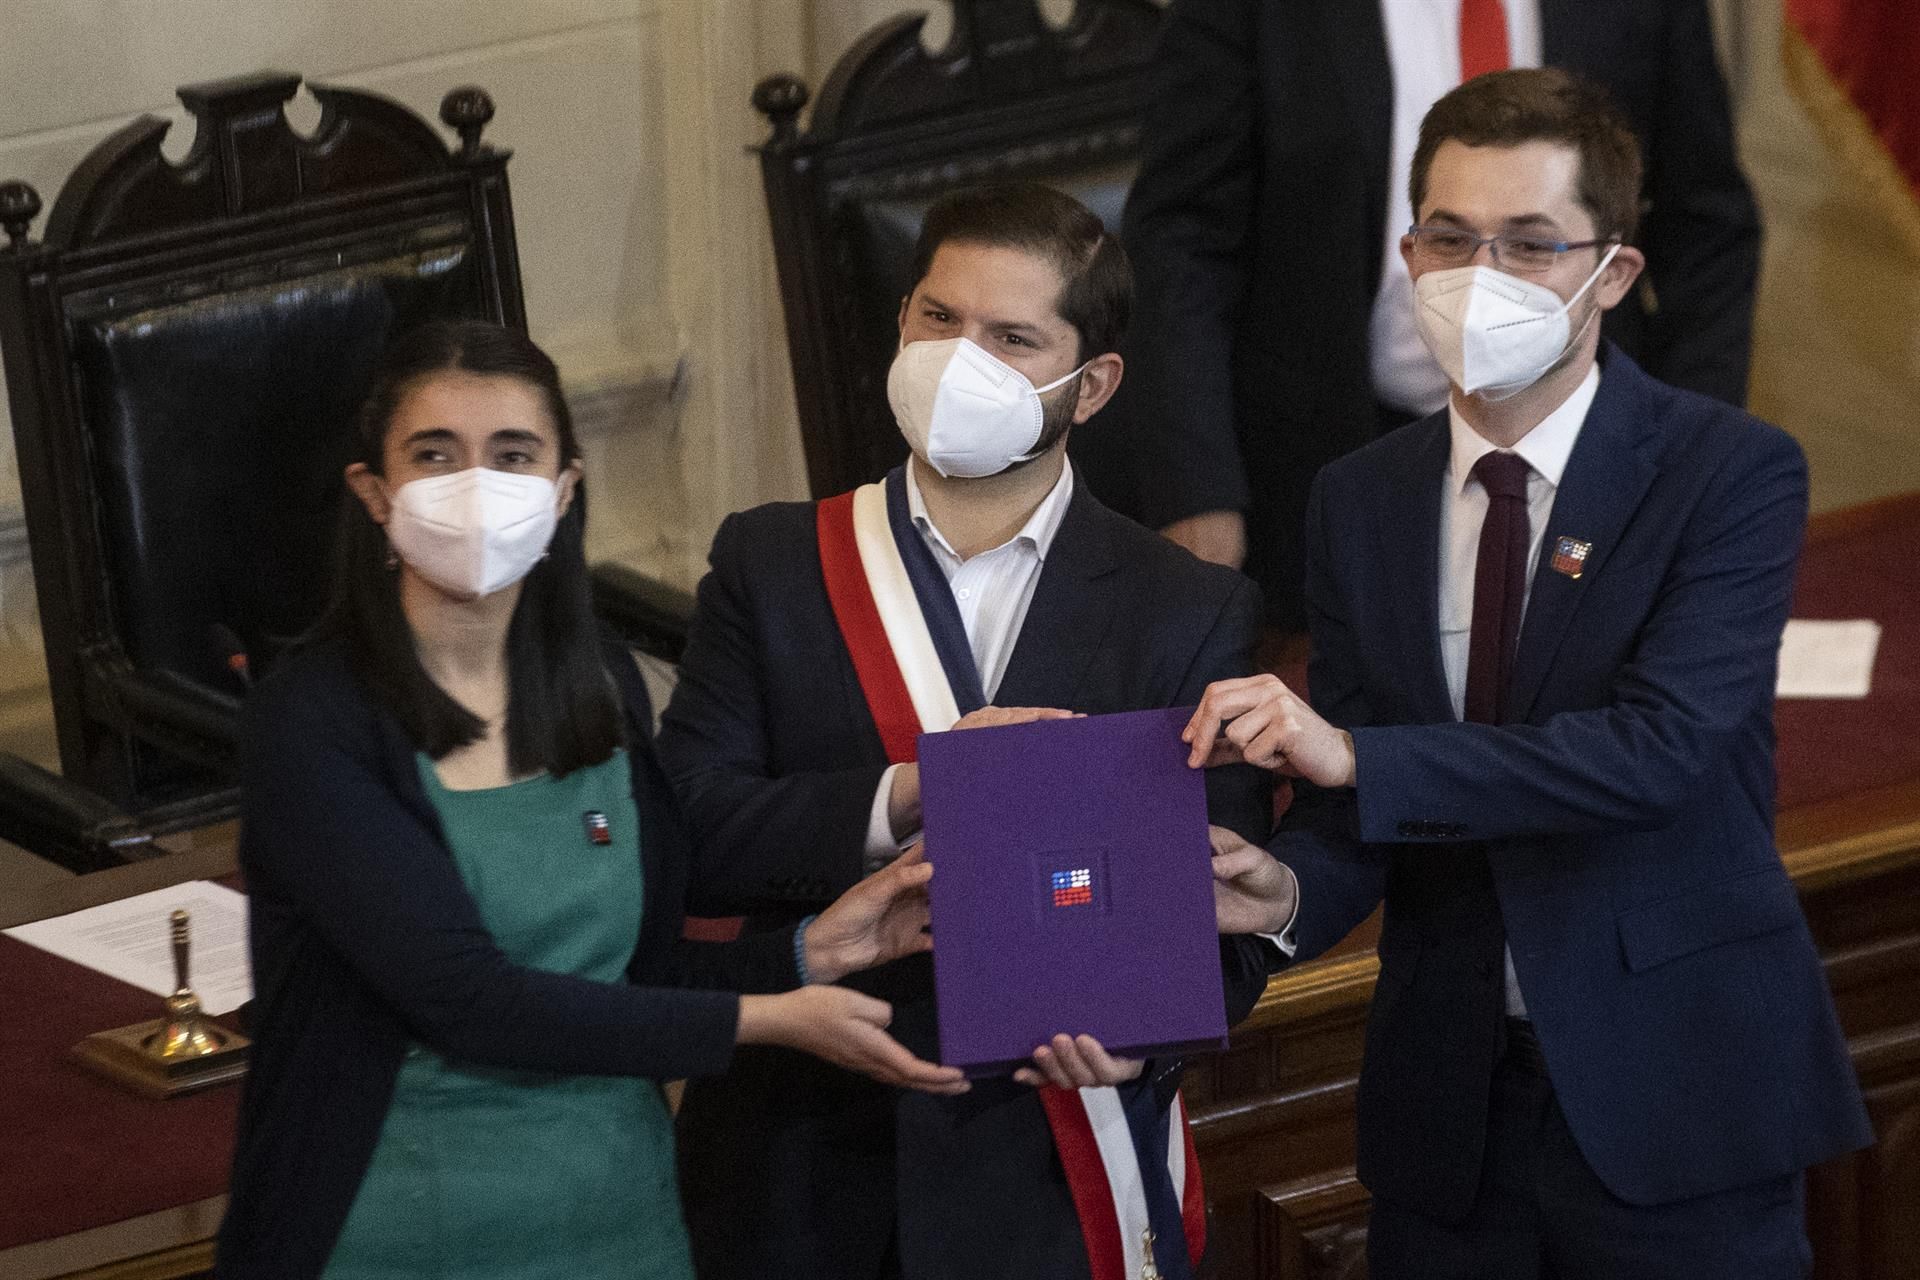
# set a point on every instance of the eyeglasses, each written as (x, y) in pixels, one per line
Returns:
(1452, 247)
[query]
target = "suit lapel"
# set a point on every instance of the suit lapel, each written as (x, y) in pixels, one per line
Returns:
(1605, 480)
(1407, 545)
(1072, 607)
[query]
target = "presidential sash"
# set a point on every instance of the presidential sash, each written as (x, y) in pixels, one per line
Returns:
(1130, 1168)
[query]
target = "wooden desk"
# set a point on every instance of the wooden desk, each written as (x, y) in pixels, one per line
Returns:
(176, 1240)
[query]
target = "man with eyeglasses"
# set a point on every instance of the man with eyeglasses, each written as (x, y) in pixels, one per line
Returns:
(1545, 624)
(1273, 329)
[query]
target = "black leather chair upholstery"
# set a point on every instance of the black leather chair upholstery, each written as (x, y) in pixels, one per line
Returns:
(184, 350)
(248, 450)
(897, 126)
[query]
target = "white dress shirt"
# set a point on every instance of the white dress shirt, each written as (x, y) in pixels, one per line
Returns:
(1423, 52)
(993, 590)
(1463, 509)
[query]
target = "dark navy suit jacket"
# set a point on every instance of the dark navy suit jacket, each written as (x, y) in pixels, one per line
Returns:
(1623, 818)
(792, 1167)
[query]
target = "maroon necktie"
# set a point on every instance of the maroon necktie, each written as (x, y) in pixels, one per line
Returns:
(1483, 38)
(1499, 586)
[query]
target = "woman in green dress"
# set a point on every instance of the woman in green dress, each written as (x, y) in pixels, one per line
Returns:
(466, 875)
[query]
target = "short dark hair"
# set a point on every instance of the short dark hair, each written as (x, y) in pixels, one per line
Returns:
(562, 713)
(1096, 295)
(1543, 104)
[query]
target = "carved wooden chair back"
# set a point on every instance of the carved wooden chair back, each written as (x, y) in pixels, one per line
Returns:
(185, 346)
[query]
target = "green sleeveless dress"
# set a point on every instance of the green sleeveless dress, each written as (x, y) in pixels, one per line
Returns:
(482, 1172)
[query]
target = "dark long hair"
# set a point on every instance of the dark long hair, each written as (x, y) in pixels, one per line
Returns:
(562, 712)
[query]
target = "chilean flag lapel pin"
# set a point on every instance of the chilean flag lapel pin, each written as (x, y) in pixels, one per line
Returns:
(1570, 556)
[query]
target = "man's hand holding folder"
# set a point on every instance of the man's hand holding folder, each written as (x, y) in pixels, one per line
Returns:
(1252, 891)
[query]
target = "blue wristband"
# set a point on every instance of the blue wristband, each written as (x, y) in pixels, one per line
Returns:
(800, 950)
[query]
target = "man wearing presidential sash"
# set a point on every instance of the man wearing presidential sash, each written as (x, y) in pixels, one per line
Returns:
(978, 584)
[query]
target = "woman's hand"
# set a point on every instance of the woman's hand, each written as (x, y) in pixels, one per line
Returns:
(1253, 892)
(882, 918)
(847, 1029)
(1077, 1062)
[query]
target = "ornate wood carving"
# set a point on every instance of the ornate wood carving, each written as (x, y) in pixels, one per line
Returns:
(19, 206)
(1861, 1210)
(246, 157)
(467, 110)
(999, 49)
(780, 99)
(1313, 1228)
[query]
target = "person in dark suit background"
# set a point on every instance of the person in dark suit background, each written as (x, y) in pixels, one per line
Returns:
(1545, 624)
(788, 1170)
(1275, 329)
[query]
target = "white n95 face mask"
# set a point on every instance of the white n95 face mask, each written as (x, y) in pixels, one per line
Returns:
(964, 412)
(1491, 331)
(473, 532)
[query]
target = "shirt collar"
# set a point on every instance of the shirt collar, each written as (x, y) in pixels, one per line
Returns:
(1038, 532)
(1546, 448)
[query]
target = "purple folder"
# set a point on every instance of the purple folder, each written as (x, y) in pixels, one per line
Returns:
(1071, 889)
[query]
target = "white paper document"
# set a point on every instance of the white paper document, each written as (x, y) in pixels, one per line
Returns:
(1821, 659)
(132, 940)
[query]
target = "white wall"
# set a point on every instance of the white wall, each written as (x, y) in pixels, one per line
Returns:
(836, 26)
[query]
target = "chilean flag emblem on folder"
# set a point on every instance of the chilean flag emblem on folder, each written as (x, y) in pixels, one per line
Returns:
(1073, 888)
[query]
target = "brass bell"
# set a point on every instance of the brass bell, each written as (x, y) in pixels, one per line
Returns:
(173, 1055)
(184, 1033)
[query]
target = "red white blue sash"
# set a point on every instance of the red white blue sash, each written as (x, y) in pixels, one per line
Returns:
(1130, 1167)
